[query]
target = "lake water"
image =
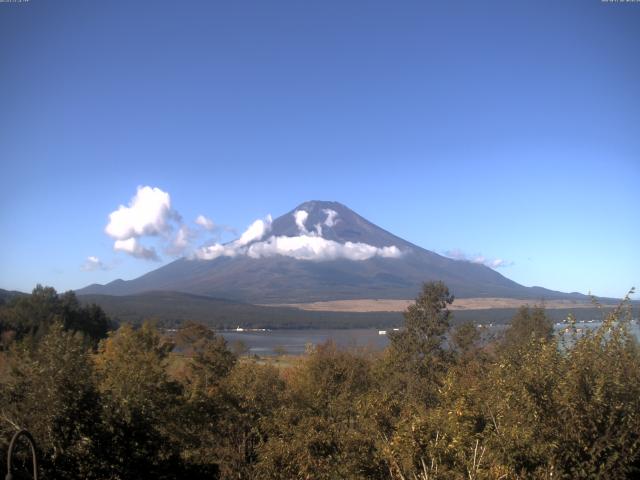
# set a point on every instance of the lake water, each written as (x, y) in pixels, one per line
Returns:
(294, 342)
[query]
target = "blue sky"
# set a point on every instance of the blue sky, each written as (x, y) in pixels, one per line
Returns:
(504, 129)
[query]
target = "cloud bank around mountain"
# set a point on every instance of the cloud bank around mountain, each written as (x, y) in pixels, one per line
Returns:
(150, 218)
(309, 245)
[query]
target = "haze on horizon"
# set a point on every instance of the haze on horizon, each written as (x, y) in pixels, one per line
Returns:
(494, 132)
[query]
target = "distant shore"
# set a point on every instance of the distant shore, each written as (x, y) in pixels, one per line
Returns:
(399, 305)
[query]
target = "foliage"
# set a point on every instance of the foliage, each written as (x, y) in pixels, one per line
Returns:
(439, 403)
(417, 358)
(49, 390)
(319, 431)
(32, 315)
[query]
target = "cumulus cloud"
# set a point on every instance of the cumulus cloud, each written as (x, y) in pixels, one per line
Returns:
(205, 222)
(92, 263)
(148, 213)
(458, 254)
(133, 248)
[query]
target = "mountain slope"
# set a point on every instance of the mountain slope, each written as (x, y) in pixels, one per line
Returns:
(7, 295)
(332, 233)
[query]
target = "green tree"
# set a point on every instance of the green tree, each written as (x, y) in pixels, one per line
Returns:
(417, 356)
(528, 323)
(466, 341)
(597, 427)
(32, 315)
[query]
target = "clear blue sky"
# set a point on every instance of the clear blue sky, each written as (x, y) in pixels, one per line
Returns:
(501, 128)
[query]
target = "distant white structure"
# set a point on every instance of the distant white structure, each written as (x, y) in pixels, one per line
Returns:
(382, 332)
(239, 329)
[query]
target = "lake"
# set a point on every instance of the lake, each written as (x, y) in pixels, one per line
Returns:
(294, 342)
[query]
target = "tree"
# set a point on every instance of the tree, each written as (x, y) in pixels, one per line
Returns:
(210, 358)
(465, 339)
(528, 323)
(251, 393)
(141, 403)
(318, 431)
(50, 391)
(32, 315)
(419, 350)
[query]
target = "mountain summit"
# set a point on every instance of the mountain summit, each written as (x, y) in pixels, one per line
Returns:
(316, 252)
(334, 221)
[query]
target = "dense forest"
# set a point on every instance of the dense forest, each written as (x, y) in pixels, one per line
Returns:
(132, 403)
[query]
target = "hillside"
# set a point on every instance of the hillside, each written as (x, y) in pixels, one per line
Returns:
(172, 308)
(6, 295)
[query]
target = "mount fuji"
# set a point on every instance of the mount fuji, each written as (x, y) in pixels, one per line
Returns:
(320, 251)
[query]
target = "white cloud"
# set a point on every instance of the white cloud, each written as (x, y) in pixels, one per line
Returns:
(181, 242)
(148, 213)
(217, 250)
(256, 231)
(301, 218)
(205, 222)
(132, 247)
(331, 217)
(498, 263)
(458, 254)
(92, 264)
(305, 247)
(182, 238)
(308, 246)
